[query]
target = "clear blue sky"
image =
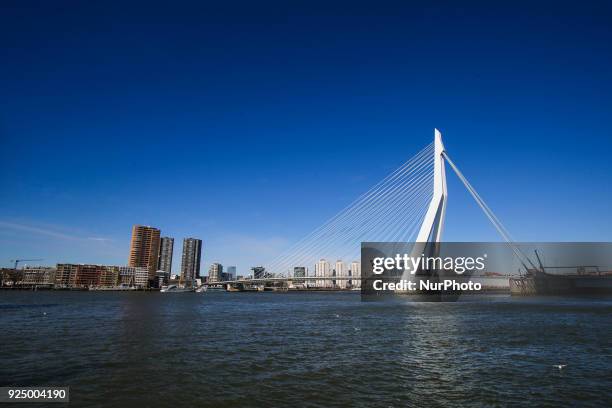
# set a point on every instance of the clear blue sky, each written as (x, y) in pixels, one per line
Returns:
(248, 125)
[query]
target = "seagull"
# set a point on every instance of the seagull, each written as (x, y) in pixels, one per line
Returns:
(560, 366)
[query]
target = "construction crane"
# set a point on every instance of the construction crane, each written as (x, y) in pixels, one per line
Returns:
(17, 261)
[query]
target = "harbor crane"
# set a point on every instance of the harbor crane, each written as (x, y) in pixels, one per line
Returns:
(17, 261)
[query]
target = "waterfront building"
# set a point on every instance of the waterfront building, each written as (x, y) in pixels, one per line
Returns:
(340, 271)
(140, 279)
(322, 270)
(144, 249)
(166, 248)
(65, 275)
(215, 273)
(126, 275)
(299, 272)
(9, 276)
(190, 261)
(37, 275)
(133, 276)
(355, 274)
(85, 275)
(259, 272)
(161, 278)
(231, 272)
(109, 276)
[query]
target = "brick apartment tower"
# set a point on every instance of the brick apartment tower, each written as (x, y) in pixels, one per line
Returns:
(144, 248)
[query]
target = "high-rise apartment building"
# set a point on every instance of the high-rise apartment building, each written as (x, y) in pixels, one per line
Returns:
(215, 272)
(322, 270)
(144, 249)
(299, 272)
(166, 248)
(340, 272)
(231, 272)
(355, 274)
(190, 262)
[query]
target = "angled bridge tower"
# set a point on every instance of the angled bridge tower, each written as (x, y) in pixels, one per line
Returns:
(430, 233)
(433, 223)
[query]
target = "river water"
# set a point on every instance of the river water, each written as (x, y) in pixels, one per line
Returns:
(306, 349)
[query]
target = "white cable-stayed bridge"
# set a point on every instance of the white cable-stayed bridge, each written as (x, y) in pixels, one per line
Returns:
(408, 205)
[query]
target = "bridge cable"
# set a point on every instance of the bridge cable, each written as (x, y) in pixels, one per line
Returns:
(490, 215)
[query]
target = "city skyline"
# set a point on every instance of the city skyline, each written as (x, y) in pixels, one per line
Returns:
(290, 133)
(219, 204)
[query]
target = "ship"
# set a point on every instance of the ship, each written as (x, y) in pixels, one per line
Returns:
(581, 280)
(214, 289)
(175, 289)
(122, 287)
(537, 282)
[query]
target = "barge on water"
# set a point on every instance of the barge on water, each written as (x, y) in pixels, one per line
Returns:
(579, 282)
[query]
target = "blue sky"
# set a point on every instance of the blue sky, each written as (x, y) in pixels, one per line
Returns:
(248, 126)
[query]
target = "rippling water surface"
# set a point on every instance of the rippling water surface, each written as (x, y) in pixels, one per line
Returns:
(306, 349)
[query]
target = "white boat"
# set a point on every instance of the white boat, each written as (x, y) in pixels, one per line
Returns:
(205, 288)
(121, 287)
(175, 289)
